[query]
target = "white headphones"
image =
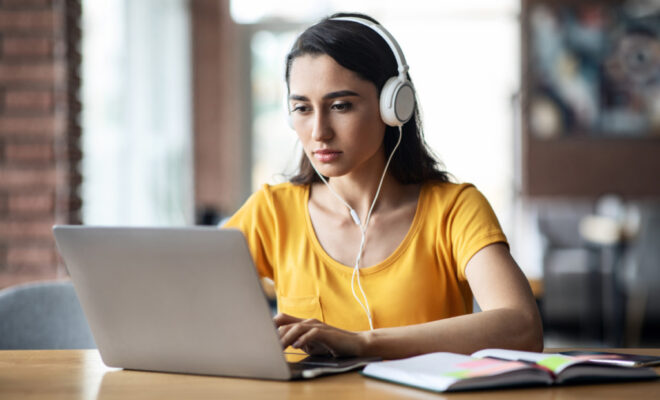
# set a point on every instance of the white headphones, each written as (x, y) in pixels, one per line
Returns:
(397, 104)
(397, 98)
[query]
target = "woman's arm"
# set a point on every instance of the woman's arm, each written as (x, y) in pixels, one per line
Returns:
(509, 319)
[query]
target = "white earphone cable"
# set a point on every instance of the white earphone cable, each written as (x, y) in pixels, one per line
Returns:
(354, 215)
(363, 228)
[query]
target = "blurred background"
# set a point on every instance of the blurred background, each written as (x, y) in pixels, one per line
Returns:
(171, 112)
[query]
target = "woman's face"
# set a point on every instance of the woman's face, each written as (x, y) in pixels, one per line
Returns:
(336, 115)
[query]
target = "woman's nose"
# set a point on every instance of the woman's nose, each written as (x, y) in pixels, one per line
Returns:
(321, 129)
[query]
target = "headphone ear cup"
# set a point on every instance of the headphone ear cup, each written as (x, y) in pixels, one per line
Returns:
(397, 101)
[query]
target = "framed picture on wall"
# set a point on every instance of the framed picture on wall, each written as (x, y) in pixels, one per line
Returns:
(591, 97)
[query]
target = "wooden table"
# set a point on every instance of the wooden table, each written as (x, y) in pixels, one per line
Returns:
(80, 374)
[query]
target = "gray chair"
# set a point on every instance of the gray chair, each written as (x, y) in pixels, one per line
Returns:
(641, 278)
(43, 315)
(571, 302)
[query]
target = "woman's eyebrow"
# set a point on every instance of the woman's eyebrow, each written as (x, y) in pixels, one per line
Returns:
(340, 93)
(331, 95)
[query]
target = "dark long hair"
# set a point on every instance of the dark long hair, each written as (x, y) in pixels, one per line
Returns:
(362, 50)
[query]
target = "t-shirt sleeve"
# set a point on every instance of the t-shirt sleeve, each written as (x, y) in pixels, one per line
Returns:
(256, 220)
(472, 225)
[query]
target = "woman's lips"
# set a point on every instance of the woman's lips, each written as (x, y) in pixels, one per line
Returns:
(326, 155)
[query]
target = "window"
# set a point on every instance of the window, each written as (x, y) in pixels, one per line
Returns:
(136, 166)
(275, 149)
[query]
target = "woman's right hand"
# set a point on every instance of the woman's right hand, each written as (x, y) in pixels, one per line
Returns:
(317, 338)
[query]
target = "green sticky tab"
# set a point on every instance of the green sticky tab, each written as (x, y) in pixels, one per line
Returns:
(462, 374)
(554, 362)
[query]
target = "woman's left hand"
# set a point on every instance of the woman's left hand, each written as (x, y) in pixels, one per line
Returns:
(316, 338)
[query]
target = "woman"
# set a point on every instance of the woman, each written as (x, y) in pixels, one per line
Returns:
(372, 250)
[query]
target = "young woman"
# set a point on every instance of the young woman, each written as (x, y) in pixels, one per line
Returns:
(373, 251)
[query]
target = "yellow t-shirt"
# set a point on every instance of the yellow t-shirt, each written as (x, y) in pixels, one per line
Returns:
(422, 280)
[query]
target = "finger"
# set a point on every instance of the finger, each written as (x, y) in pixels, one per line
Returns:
(314, 342)
(283, 329)
(293, 333)
(324, 339)
(285, 323)
(285, 319)
(318, 349)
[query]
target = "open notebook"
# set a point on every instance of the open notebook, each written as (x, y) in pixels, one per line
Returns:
(492, 368)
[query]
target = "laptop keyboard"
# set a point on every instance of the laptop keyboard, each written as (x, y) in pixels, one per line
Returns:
(316, 362)
(312, 362)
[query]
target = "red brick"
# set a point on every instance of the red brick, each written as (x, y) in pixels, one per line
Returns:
(28, 152)
(27, 230)
(30, 203)
(30, 255)
(28, 178)
(28, 100)
(71, 203)
(29, 21)
(25, 3)
(26, 47)
(3, 210)
(38, 74)
(32, 126)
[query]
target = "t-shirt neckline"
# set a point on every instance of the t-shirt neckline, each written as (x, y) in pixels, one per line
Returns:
(389, 260)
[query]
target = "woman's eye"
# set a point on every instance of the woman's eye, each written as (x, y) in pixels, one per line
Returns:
(342, 106)
(299, 108)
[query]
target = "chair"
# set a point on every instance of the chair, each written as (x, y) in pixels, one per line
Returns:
(571, 303)
(641, 278)
(43, 315)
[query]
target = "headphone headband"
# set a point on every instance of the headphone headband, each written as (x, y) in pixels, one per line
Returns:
(386, 35)
(397, 96)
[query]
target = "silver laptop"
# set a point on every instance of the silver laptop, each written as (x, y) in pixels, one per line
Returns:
(184, 300)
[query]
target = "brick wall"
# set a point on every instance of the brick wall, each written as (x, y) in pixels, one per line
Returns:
(39, 134)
